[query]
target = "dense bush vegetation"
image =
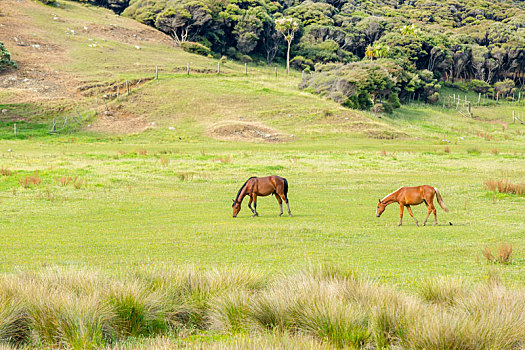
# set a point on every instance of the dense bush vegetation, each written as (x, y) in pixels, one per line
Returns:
(83, 310)
(363, 84)
(451, 41)
(455, 40)
(5, 58)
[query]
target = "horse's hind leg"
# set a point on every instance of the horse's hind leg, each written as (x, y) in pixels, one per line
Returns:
(401, 207)
(431, 209)
(287, 204)
(250, 205)
(428, 214)
(280, 201)
(412, 214)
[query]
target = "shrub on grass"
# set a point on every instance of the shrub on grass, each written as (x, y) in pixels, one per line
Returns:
(5, 59)
(479, 86)
(196, 48)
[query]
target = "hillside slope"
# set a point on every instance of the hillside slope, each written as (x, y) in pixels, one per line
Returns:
(76, 57)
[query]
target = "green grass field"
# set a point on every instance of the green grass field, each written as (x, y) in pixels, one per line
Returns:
(172, 205)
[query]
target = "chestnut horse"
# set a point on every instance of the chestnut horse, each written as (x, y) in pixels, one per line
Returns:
(262, 186)
(407, 196)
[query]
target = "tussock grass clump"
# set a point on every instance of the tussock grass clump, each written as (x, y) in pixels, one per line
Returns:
(14, 321)
(5, 172)
(314, 308)
(473, 150)
(505, 186)
(502, 256)
(442, 290)
(138, 312)
(229, 313)
(29, 181)
(185, 176)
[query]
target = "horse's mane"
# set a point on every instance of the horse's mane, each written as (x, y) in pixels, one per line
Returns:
(240, 190)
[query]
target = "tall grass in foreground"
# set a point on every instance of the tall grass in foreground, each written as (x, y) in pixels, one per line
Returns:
(316, 308)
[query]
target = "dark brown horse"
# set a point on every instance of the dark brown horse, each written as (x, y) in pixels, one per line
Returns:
(407, 196)
(262, 186)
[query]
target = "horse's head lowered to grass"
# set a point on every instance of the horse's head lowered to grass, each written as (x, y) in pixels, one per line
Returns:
(236, 207)
(380, 208)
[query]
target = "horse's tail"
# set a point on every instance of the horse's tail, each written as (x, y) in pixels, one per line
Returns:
(440, 200)
(285, 188)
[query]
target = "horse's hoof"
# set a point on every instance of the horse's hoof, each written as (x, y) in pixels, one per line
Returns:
(399, 224)
(280, 214)
(290, 215)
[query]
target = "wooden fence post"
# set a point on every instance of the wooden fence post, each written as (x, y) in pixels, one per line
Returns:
(246, 69)
(275, 72)
(188, 69)
(15, 129)
(219, 67)
(156, 72)
(127, 87)
(117, 91)
(479, 98)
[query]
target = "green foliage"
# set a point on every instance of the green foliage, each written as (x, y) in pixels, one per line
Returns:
(5, 58)
(456, 40)
(301, 63)
(361, 84)
(479, 86)
(504, 87)
(48, 2)
(197, 48)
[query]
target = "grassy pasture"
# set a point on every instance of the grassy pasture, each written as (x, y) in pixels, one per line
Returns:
(169, 204)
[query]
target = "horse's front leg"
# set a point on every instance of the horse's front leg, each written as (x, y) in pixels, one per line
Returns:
(254, 197)
(250, 205)
(401, 207)
(412, 214)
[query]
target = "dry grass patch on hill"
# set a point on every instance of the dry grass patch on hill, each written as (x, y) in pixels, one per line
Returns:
(246, 131)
